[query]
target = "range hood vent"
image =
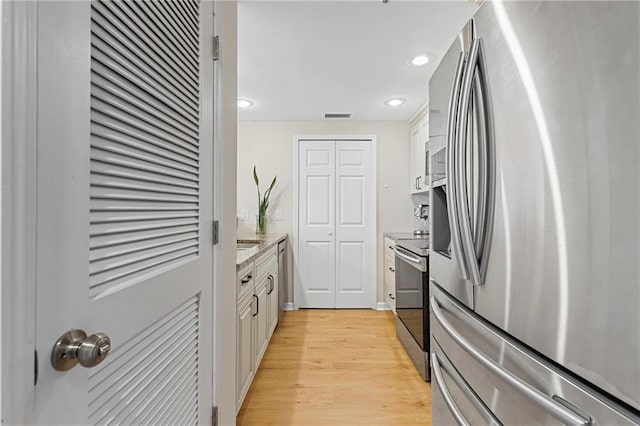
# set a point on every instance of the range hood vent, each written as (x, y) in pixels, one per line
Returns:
(339, 115)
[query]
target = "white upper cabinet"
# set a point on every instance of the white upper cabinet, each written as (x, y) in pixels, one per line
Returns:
(419, 178)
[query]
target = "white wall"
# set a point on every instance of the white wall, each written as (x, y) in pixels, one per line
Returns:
(269, 145)
(224, 379)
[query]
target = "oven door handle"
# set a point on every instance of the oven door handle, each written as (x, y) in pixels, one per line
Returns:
(416, 261)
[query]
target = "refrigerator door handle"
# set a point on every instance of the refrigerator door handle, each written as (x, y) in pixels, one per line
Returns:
(456, 244)
(466, 236)
(446, 395)
(475, 96)
(487, 164)
(444, 363)
(554, 408)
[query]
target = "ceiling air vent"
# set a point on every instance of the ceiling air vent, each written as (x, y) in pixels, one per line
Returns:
(337, 115)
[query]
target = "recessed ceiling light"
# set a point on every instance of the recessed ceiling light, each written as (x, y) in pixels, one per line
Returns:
(395, 102)
(244, 103)
(421, 60)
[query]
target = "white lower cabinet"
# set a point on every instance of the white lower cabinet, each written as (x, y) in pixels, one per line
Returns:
(390, 274)
(257, 317)
(272, 302)
(245, 363)
(261, 323)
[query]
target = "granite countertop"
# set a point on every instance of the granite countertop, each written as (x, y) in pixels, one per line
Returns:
(395, 236)
(266, 241)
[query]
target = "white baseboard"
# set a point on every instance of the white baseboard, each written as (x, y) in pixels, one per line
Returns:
(288, 306)
(382, 306)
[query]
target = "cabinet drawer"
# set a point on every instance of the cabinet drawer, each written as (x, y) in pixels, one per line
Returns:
(389, 244)
(390, 265)
(267, 263)
(245, 281)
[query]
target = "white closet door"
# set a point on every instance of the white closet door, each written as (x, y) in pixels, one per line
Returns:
(316, 243)
(124, 213)
(355, 245)
(336, 243)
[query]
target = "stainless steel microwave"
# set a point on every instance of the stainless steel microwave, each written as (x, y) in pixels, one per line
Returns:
(439, 168)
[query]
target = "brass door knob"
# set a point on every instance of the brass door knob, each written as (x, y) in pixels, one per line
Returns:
(75, 347)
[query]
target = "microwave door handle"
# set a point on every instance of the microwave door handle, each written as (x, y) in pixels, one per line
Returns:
(456, 244)
(550, 405)
(460, 177)
(488, 161)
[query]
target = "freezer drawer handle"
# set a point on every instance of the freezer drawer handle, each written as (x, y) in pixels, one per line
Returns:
(444, 363)
(557, 410)
(453, 407)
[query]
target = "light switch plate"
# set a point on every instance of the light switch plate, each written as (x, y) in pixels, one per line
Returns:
(278, 215)
(244, 214)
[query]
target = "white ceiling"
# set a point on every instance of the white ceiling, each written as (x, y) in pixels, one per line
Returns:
(299, 60)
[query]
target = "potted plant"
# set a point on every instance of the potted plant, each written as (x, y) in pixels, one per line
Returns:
(263, 203)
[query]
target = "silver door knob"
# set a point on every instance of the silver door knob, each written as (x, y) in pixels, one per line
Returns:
(75, 347)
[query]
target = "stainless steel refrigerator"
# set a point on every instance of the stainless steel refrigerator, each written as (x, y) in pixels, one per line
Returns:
(534, 265)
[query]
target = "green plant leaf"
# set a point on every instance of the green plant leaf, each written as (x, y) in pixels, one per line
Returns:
(255, 176)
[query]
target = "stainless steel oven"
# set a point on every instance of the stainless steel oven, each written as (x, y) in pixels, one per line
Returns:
(412, 295)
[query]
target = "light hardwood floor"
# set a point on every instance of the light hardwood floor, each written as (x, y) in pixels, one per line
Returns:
(336, 367)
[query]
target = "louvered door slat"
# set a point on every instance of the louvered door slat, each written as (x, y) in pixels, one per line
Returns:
(129, 383)
(171, 21)
(147, 154)
(107, 218)
(166, 401)
(123, 183)
(103, 63)
(123, 233)
(156, 368)
(105, 18)
(107, 42)
(112, 129)
(144, 103)
(142, 246)
(186, 416)
(137, 122)
(166, 29)
(192, 7)
(124, 364)
(183, 15)
(132, 161)
(161, 376)
(101, 190)
(169, 47)
(143, 113)
(144, 39)
(110, 281)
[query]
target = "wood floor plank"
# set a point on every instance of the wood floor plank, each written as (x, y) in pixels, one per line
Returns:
(336, 367)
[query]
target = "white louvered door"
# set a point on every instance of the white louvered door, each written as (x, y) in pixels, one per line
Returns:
(124, 181)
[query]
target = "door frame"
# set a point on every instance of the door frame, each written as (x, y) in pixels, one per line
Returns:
(374, 229)
(18, 209)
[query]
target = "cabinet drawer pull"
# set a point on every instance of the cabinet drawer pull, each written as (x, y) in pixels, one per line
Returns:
(271, 284)
(257, 305)
(246, 279)
(391, 296)
(391, 269)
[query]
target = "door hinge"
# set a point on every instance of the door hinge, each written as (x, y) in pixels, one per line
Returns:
(214, 416)
(216, 234)
(216, 48)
